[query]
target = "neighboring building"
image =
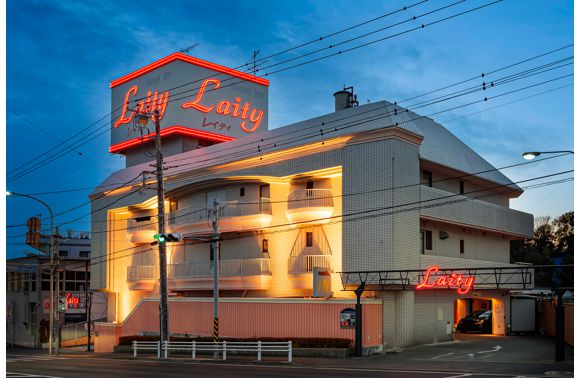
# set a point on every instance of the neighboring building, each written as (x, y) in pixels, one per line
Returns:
(28, 290)
(364, 188)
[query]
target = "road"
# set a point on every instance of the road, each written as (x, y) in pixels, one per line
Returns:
(41, 365)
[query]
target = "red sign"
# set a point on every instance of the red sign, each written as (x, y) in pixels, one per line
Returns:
(72, 302)
(433, 280)
(156, 101)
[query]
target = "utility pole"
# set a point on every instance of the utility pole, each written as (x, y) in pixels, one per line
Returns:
(87, 313)
(51, 320)
(163, 315)
(216, 263)
(57, 279)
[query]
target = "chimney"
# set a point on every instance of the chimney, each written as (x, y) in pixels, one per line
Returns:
(345, 99)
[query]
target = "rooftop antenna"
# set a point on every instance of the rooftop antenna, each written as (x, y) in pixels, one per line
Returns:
(255, 54)
(187, 49)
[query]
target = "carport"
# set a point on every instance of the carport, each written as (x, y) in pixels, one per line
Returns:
(435, 298)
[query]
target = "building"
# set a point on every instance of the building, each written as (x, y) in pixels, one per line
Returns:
(28, 290)
(365, 188)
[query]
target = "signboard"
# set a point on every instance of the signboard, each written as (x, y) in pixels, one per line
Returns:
(321, 285)
(73, 302)
(433, 279)
(348, 318)
(193, 97)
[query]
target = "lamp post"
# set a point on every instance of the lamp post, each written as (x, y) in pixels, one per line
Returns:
(51, 330)
(530, 155)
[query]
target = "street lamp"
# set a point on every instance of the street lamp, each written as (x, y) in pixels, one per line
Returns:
(51, 330)
(530, 155)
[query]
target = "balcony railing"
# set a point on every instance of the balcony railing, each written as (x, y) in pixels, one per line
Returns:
(228, 268)
(140, 273)
(195, 214)
(307, 263)
(310, 198)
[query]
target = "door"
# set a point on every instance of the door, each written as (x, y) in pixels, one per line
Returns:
(498, 319)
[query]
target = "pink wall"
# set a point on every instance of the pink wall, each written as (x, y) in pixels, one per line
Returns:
(547, 320)
(107, 338)
(271, 318)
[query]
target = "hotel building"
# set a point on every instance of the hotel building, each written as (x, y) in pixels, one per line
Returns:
(364, 188)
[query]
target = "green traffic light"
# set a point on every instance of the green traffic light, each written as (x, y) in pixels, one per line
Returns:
(159, 238)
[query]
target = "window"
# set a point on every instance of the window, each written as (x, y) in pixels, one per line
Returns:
(462, 246)
(309, 184)
(211, 252)
(428, 178)
(63, 253)
(461, 187)
(309, 239)
(242, 192)
(265, 245)
(86, 254)
(426, 240)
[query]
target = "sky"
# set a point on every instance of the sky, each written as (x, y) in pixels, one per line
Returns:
(62, 55)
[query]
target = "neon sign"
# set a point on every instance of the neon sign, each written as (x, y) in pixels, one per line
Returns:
(153, 101)
(158, 101)
(226, 108)
(431, 280)
(72, 302)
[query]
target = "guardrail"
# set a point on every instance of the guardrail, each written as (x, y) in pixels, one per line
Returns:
(222, 347)
(310, 198)
(141, 272)
(238, 267)
(146, 345)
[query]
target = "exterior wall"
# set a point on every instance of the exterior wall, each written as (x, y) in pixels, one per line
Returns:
(380, 242)
(547, 320)
(479, 245)
(247, 318)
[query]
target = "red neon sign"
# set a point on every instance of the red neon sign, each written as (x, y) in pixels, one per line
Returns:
(226, 108)
(72, 301)
(464, 284)
(158, 101)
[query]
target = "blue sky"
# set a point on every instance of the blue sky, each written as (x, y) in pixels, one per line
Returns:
(61, 57)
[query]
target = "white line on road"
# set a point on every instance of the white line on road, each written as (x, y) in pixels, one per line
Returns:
(443, 355)
(462, 375)
(15, 375)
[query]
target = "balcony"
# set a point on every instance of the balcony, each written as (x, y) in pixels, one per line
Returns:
(310, 206)
(462, 210)
(141, 232)
(235, 216)
(141, 277)
(307, 263)
(242, 274)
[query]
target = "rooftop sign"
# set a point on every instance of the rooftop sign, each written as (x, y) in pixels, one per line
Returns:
(194, 98)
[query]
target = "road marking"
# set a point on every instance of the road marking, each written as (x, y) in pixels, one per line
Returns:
(462, 375)
(15, 375)
(443, 355)
(496, 348)
(25, 358)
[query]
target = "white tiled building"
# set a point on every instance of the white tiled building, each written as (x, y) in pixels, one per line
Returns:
(358, 189)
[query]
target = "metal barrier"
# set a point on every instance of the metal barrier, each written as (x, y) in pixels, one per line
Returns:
(224, 347)
(147, 345)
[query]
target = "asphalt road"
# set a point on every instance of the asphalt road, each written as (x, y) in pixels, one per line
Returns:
(78, 366)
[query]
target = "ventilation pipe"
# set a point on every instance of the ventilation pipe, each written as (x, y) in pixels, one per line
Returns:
(345, 99)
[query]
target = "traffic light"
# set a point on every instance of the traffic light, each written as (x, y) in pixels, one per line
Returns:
(33, 232)
(168, 238)
(62, 304)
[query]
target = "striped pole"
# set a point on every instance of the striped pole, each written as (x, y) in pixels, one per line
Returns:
(216, 330)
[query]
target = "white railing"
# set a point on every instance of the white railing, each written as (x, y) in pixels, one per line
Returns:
(139, 272)
(147, 345)
(307, 263)
(199, 213)
(242, 267)
(310, 198)
(222, 347)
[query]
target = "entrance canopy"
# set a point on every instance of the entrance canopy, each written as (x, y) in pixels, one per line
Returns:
(513, 277)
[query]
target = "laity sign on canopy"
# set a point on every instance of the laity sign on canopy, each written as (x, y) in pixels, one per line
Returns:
(194, 98)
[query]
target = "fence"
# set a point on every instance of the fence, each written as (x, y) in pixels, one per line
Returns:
(77, 330)
(237, 267)
(222, 347)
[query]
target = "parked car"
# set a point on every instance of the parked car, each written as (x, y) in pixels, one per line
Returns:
(478, 321)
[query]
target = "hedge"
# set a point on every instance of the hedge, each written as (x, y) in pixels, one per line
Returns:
(297, 342)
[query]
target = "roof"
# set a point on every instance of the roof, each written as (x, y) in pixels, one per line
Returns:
(439, 145)
(191, 60)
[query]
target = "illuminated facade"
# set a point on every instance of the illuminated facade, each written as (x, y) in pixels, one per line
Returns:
(362, 188)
